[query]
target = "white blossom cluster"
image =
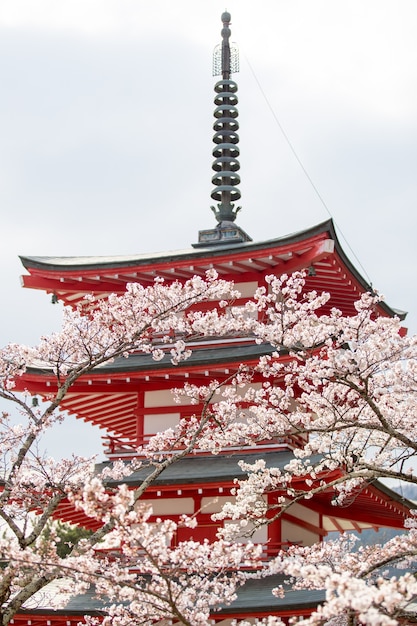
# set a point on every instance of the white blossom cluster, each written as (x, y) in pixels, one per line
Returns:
(340, 390)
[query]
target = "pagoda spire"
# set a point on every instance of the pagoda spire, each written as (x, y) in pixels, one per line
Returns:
(226, 139)
(226, 150)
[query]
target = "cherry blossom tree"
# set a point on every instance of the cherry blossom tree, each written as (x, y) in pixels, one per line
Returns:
(346, 388)
(343, 389)
(172, 582)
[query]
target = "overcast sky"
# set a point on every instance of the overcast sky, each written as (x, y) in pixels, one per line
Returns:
(106, 124)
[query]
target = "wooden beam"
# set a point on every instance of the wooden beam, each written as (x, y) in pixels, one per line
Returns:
(304, 524)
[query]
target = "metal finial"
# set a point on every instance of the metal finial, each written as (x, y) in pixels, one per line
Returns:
(225, 54)
(226, 151)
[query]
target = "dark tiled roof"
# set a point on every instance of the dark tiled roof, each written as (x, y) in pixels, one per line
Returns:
(203, 469)
(200, 356)
(254, 596)
(122, 261)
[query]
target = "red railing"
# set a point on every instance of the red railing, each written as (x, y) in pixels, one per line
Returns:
(117, 447)
(269, 551)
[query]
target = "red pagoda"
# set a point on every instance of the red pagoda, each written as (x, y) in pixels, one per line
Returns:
(130, 399)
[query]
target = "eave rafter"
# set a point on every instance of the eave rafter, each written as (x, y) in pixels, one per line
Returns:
(387, 511)
(327, 274)
(304, 524)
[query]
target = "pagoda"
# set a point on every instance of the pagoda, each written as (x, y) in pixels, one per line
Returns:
(131, 400)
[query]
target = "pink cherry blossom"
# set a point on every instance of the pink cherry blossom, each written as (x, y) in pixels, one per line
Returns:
(341, 391)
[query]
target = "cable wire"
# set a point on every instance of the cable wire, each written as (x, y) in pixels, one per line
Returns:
(300, 163)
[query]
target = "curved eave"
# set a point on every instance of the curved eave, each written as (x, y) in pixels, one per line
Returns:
(94, 263)
(70, 278)
(141, 363)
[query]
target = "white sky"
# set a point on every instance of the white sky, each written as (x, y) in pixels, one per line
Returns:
(106, 126)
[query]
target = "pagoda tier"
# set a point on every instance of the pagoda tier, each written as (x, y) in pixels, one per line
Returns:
(131, 398)
(316, 249)
(199, 486)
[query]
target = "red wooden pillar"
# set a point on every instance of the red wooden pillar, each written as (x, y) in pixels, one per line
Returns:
(274, 528)
(140, 404)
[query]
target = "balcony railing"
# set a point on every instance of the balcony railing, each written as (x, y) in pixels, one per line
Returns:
(123, 448)
(269, 551)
